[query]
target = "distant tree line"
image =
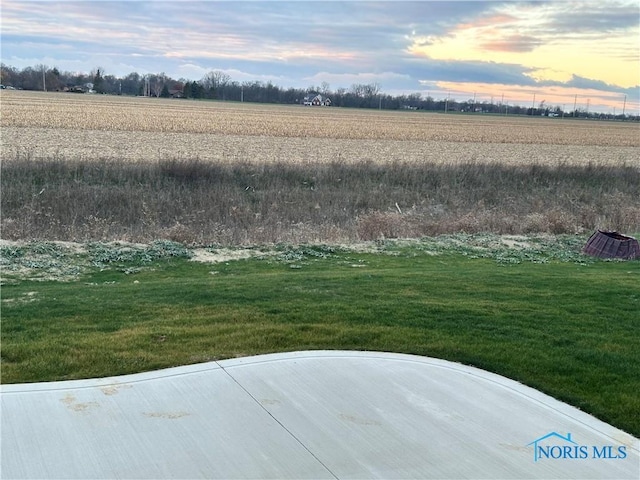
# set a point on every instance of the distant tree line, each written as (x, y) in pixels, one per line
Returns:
(217, 85)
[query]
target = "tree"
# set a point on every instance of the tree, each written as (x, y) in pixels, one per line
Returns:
(363, 95)
(157, 83)
(52, 79)
(98, 82)
(271, 93)
(339, 97)
(365, 90)
(8, 74)
(357, 89)
(131, 84)
(214, 83)
(372, 89)
(195, 90)
(110, 84)
(30, 79)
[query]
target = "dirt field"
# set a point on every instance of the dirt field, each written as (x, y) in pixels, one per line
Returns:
(39, 125)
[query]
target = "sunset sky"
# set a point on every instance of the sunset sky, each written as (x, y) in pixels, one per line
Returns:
(496, 50)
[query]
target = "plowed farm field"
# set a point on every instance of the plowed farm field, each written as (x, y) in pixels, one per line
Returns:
(42, 125)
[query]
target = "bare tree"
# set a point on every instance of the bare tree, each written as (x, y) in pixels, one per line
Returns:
(372, 89)
(357, 89)
(146, 85)
(9, 75)
(363, 90)
(215, 81)
(157, 83)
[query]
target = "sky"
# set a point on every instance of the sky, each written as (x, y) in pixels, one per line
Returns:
(583, 53)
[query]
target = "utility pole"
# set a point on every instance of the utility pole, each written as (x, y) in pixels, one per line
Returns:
(575, 101)
(533, 104)
(624, 105)
(44, 81)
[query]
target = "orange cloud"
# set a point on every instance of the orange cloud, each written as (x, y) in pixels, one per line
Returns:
(513, 43)
(490, 21)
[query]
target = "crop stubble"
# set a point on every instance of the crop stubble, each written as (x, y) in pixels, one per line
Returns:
(146, 129)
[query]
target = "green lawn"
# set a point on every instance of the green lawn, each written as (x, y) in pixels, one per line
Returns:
(568, 327)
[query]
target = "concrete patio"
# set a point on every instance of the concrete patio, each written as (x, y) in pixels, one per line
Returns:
(316, 415)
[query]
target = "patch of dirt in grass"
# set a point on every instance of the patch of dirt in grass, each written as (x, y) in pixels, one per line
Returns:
(360, 247)
(516, 241)
(221, 255)
(26, 297)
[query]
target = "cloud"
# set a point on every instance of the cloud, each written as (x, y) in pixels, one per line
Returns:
(513, 43)
(541, 75)
(594, 17)
(500, 74)
(286, 31)
(400, 45)
(338, 80)
(472, 71)
(591, 84)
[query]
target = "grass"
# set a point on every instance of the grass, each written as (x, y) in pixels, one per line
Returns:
(199, 202)
(542, 314)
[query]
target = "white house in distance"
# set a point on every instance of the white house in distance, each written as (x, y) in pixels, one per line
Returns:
(316, 100)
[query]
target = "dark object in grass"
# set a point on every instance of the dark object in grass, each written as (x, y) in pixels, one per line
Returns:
(604, 244)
